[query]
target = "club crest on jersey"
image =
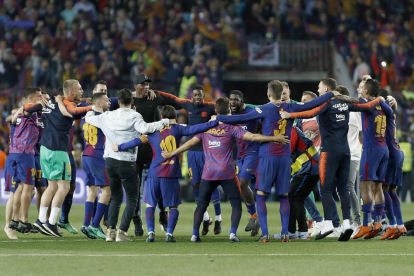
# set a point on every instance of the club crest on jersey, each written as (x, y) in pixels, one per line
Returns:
(204, 114)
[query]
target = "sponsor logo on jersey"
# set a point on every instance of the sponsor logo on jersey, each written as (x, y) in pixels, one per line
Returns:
(214, 144)
(340, 117)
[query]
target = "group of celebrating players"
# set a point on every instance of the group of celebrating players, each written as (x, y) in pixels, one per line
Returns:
(302, 146)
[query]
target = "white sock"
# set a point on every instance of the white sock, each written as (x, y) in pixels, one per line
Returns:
(53, 215)
(345, 224)
(206, 216)
(218, 218)
(393, 226)
(42, 214)
(327, 226)
(232, 235)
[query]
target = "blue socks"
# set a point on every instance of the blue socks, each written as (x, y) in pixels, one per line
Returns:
(389, 208)
(172, 220)
(149, 218)
(88, 213)
(66, 206)
(397, 208)
(251, 208)
(378, 211)
(101, 209)
(284, 212)
(366, 209)
(215, 198)
(262, 213)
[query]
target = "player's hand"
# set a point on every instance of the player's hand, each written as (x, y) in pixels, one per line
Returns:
(285, 115)
(133, 107)
(115, 147)
(382, 99)
(166, 154)
(213, 118)
(43, 102)
(391, 100)
(151, 95)
(59, 98)
(282, 139)
(87, 100)
(336, 93)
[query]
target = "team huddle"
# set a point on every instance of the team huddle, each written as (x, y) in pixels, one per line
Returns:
(302, 146)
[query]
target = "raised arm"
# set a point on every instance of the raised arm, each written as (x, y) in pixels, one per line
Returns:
(305, 114)
(237, 119)
(174, 99)
(29, 107)
(131, 144)
(145, 128)
(62, 107)
(248, 136)
(386, 108)
(74, 110)
(191, 130)
(312, 104)
(186, 146)
(95, 120)
(358, 107)
(16, 115)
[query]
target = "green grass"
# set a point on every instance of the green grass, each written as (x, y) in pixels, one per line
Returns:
(78, 255)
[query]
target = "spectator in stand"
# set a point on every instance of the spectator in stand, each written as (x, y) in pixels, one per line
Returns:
(86, 7)
(108, 71)
(174, 71)
(402, 63)
(22, 48)
(51, 18)
(45, 77)
(12, 69)
(69, 13)
(125, 24)
(187, 81)
(68, 73)
(89, 46)
(361, 69)
(42, 45)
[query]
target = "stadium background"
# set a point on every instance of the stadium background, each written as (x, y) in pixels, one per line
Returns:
(223, 45)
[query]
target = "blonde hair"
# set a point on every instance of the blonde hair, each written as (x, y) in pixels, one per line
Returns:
(69, 85)
(366, 77)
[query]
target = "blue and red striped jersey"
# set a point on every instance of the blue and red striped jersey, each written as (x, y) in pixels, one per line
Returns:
(246, 147)
(374, 125)
(218, 145)
(93, 138)
(25, 135)
(166, 139)
(197, 114)
(272, 122)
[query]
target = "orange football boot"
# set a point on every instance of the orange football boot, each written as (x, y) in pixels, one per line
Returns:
(363, 230)
(389, 233)
(374, 232)
(400, 232)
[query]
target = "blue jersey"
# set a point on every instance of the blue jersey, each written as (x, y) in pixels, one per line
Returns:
(25, 136)
(94, 139)
(41, 128)
(246, 147)
(374, 125)
(273, 124)
(391, 134)
(197, 114)
(333, 120)
(166, 139)
(57, 126)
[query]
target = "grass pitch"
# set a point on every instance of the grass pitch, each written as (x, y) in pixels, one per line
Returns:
(77, 255)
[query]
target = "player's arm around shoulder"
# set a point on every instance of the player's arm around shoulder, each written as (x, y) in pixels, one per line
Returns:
(248, 136)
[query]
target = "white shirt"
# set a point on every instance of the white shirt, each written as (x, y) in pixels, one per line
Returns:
(355, 126)
(121, 126)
